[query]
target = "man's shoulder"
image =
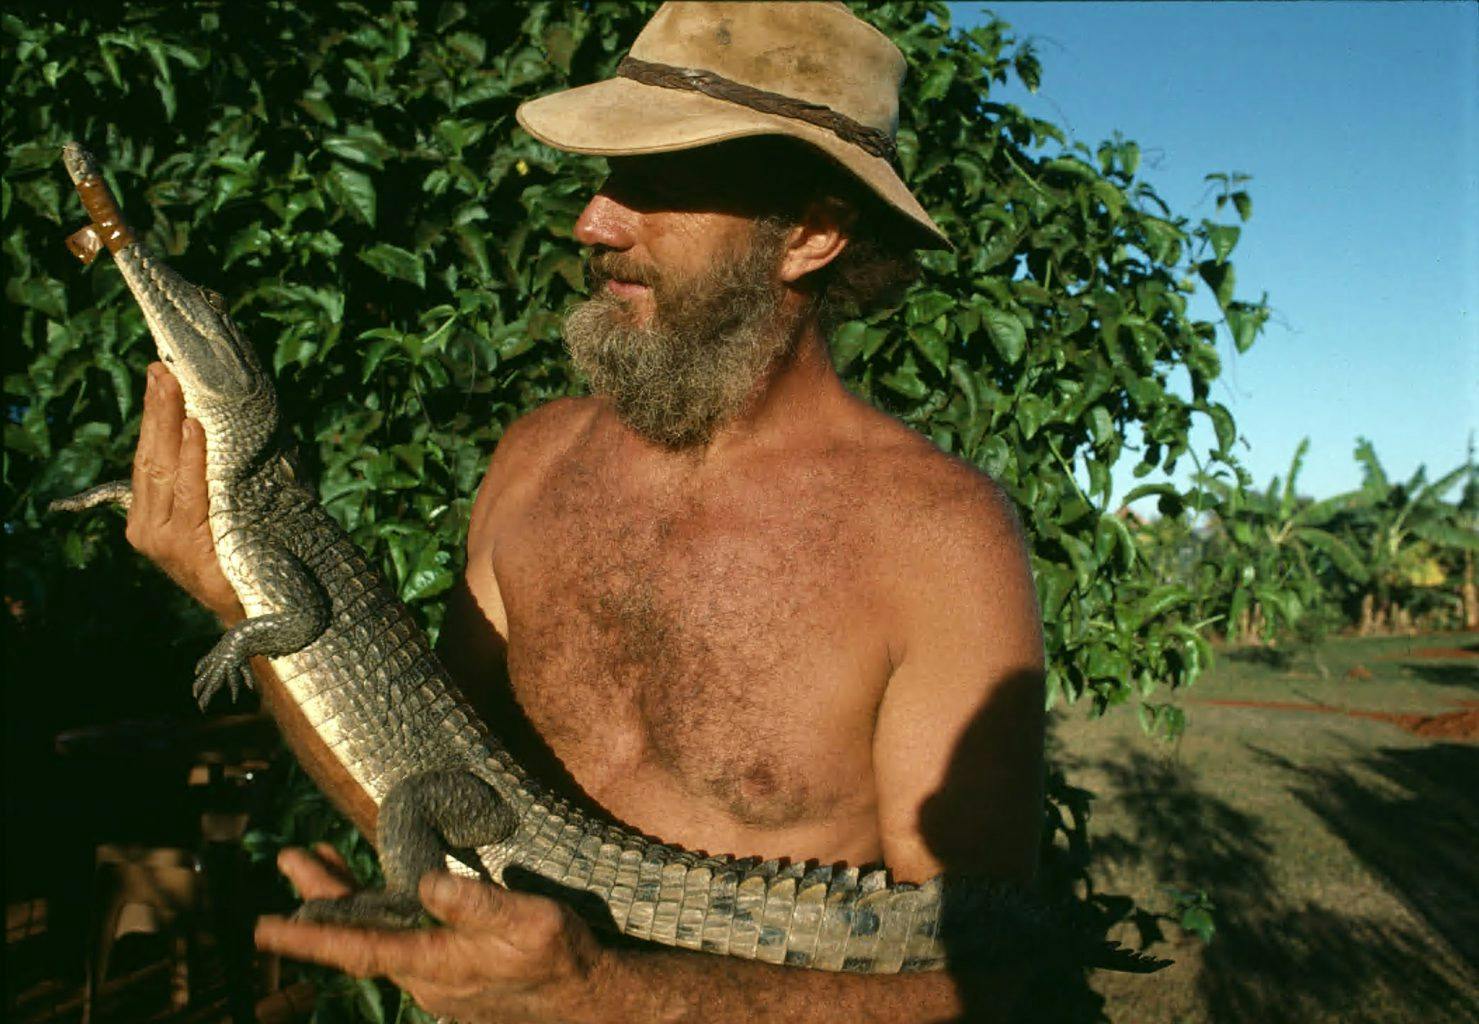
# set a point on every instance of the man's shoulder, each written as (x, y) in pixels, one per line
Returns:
(549, 426)
(937, 499)
(540, 435)
(955, 557)
(530, 446)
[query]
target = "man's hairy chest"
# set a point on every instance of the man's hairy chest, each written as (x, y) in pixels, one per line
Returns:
(730, 644)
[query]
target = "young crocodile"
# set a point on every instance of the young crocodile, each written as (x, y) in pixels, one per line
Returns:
(363, 675)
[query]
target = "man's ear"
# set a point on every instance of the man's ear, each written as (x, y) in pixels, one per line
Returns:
(823, 232)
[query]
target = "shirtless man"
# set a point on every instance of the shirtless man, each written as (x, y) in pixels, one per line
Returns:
(722, 599)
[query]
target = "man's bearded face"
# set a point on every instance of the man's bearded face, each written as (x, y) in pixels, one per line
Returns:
(710, 340)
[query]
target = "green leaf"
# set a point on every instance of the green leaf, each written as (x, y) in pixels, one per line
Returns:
(1007, 334)
(251, 239)
(1223, 425)
(1198, 922)
(931, 344)
(936, 79)
(1101, 425)
(472, 46)
(44, 294)
(425, 583)
(847, 343)
(1147, 490)
(317, 108)
(166, 90)
(1030, 414)
(1028, 69)
(1130, 158)
(923, 307)
(1245, 322)
(905, 380)
(1220, 278)
(1158, 602)
(361, 144)
(1340, 553)
(353, 191)
(395, 262)
(1447, 535)
(369, 1000)
(1223, 238)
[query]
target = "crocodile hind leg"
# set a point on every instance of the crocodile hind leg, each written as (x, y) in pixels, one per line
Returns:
(287, 584)
(422, 819)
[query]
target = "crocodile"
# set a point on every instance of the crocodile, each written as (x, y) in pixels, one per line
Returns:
(379, 722)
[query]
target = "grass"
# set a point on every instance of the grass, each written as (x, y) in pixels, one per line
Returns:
(1339, 851)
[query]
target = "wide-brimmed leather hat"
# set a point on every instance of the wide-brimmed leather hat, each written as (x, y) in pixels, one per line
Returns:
(701, 73)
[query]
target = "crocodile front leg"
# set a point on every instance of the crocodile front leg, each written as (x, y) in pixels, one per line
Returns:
(114, 492)
(288, 585)
(422, 819)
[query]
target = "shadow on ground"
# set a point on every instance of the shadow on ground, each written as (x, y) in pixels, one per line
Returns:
(1449, 674)
(1410, 815)
(1274, 959)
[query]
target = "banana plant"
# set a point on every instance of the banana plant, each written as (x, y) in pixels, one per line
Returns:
(1271, 557)
(1411, 538)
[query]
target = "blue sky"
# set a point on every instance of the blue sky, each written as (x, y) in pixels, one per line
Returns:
(1358, 124)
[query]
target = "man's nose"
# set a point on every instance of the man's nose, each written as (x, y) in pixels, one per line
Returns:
(604, 221)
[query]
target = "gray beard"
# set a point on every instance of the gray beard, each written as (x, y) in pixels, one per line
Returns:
(695, 366)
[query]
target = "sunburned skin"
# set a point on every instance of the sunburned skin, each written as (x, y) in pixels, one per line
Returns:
(694, 654)
(704, 652)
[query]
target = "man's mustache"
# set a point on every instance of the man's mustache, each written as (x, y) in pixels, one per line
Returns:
(617, 266)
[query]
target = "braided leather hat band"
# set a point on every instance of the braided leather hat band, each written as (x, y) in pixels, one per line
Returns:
(869, 140)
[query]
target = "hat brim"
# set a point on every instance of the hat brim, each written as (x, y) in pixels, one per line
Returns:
(620, 117)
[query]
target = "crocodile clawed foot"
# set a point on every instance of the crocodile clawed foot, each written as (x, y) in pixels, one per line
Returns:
(366, 910)
(241, 679)
(216, 670)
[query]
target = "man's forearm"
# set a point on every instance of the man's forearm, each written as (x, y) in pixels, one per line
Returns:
(681, 987)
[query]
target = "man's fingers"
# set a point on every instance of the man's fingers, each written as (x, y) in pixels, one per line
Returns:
(190, 505)
(327, 853)
(313, 879)
(364, 952)
(471, 904)
(158, 454)
(353, 952)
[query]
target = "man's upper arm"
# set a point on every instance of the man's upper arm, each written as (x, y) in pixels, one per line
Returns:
(958, 743)
(475, 628)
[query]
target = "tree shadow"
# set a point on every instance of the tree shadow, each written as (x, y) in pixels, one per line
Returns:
(1450, 674)
(1410, 815)
(1272, 958)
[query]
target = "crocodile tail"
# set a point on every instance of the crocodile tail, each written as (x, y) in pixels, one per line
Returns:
(798, 914)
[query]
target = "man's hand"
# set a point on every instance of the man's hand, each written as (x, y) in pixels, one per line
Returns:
(167, 522)
(500, 957)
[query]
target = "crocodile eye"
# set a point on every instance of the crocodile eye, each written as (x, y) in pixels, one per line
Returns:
(214, 300)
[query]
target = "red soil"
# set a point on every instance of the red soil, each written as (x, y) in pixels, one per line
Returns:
(1444, 652)
(1461, 724)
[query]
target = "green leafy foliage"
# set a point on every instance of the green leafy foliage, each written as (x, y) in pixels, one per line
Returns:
(1195, 913)
(356, 186)
(1273, 566)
